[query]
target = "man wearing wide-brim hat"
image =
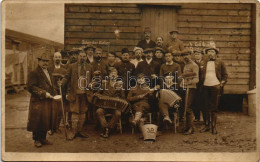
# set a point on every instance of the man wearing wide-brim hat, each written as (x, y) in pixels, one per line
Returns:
(40, 85)
(175, 44)
(214, 77)
(147, 42)
(90, 50)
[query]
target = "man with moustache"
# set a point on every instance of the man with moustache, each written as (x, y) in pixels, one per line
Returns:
(99, 65)
(147, 42)
(73, 56)
(213, 76)
(175, 45)
(111, 90)
(78, 77)
(159, 55)
(191, 78)
(111, 61)
(149, 67)
(124, 67)
(138, 56)
(160, 43)
(58, 70)
(41, 87)
(90, 50)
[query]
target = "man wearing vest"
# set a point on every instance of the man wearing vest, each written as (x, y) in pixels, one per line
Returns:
(214, 77)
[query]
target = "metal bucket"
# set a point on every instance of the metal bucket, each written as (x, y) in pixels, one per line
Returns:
(149, 132)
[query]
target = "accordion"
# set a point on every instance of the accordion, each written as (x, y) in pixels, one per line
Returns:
(107, 102)
(169, 97)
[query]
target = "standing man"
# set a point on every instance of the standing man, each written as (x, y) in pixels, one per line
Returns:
(99, 65)
(124, 67)
(40, 85)
(147, 42)
(175, 45)
(160, 43)
(198, 54)
(149, 67)
(190, 77)
(138, 56)
(90, 49)
(58, 70)
(214, 76)
(78, 77)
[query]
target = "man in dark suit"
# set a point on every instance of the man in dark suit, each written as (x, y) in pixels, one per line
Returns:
(214, 76)
(147, 42)
(78, 77)
(99, 65)
(90, 50)
(40, 85)
(149, 67)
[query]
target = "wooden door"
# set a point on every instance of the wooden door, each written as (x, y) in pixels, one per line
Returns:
(160, 19)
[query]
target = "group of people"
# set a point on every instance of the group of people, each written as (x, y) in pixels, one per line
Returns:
(155, 66)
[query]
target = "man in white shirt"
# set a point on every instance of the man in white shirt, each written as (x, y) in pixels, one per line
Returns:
(214, 76)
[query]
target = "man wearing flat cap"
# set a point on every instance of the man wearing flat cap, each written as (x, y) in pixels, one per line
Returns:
(147, 42)
(175, 45)
(138, 51)
(159, 55)
(40, 85)
(214, 77)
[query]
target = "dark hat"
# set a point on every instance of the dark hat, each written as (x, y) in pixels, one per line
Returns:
(174, 30)
(148, 50)
(140, 75)
(186, 52)
(125, 50)
(211, 48)
(44, 56)
(147, 29)
(73, 52)
(160, 49)
(89, 46)
(197, 51)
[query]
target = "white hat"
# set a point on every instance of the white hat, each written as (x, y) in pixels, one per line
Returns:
(138, 48)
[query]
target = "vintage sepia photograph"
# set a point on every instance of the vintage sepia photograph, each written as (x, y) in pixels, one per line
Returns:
(130, 81)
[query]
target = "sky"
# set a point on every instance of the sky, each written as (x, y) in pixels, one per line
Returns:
(45, 20)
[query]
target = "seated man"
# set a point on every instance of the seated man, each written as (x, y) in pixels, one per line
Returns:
(139, 96)
(111, 88)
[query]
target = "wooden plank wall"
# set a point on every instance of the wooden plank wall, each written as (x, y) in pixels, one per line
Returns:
(97, 22)
(229, 26)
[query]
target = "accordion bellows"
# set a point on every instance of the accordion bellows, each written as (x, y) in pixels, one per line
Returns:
(108, 102)
(169, 97)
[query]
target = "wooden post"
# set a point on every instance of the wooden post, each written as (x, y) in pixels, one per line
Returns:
(252, 80)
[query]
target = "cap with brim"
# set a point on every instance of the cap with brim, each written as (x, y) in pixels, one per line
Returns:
(212, 48)
(89, 46)
(160, 49)
(125, 50)
(44, 57)
(138, 48)
(147, 29)
(148, 50)
(172, 31)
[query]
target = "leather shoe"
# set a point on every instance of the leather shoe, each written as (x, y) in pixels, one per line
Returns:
(189, 131)
(37, 144)
(46, 142)
(205, 129)
(82, 135)
(167, 119)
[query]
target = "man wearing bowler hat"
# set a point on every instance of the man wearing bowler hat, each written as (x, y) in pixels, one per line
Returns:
(175, 45)
(213, 76)
(147, 42)
(90, 50)
(40, 85)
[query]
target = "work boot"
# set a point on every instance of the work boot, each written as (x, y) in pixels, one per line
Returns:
(189, 131)
(81, 134)
(37, 144)
(46, 142)
(138, 116)
(206, 122)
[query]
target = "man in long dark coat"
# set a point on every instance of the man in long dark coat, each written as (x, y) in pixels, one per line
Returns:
(40, 85)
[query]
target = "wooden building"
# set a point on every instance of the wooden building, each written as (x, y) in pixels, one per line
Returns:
(21, 53)
(230, 26)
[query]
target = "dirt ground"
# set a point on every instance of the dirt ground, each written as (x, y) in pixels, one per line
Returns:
(237, 133)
